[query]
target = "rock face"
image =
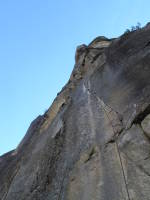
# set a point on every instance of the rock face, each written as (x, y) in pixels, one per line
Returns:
(93, 143)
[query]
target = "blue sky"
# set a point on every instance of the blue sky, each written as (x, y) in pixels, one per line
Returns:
(38, 39)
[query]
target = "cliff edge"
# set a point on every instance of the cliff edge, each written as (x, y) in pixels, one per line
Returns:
(93, 143)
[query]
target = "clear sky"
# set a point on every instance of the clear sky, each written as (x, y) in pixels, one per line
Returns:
(38, 39)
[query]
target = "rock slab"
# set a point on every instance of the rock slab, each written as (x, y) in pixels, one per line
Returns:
(93, 143)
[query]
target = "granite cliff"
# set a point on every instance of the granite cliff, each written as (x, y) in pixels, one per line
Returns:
(93, 143)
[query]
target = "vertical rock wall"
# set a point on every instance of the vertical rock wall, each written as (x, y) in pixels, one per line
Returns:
(93, 143)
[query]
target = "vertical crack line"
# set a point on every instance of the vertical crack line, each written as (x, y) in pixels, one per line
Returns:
(117, 146)
(123, 171)
(120, 159)
(118, 151)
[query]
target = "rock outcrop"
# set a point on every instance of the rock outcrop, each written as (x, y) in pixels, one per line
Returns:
(93, 143)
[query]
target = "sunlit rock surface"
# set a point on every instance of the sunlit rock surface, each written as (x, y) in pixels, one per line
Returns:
(93, 143)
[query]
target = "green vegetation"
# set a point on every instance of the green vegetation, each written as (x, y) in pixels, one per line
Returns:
(133, 28)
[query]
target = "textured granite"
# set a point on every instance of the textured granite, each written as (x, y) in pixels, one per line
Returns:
(93, 142)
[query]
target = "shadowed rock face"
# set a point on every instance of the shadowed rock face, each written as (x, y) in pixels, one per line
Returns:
(93, 143)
